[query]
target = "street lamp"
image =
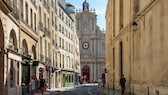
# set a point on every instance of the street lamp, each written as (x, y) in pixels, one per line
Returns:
(105, 70)
(134, 24)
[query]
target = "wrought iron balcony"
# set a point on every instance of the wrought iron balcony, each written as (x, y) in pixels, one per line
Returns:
(41, 57)
(41, 26)
(13, 8)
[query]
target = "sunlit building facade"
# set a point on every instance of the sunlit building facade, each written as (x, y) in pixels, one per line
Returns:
(32, 45)
(136, 32)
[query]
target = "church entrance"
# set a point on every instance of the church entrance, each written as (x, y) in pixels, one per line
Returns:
(86, 73)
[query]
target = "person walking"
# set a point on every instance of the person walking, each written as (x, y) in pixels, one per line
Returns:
(99, 83)
(42, 85)
(122, 83)
(32, 85)
(36, 85)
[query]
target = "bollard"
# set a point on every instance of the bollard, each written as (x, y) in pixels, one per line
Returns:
(108, 89)
(133, 90)
(157, 92)
(148, 90)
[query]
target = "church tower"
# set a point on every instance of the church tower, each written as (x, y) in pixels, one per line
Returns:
(92, 41)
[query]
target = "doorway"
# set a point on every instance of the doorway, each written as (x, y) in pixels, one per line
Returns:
(86, 73)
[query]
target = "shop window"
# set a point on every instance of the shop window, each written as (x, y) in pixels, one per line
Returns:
(11, 74)
(69, 78)
(17, 71)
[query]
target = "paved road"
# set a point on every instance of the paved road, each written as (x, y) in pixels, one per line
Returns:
(84, 90)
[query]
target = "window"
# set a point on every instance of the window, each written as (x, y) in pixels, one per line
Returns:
(11, 73)
(55, 23)
(40, 13)
(26, 13)
(48, 23)
(35, 22)
(121, 14)
(136, 6)
(62, 16)
(63, 60)
(77, 24)
(41, 46)
(114, 8)
(22, 9)
(92, 23)
(49, 50)
(45, 47)
(103, 46)
(59, 13)
(45, 20)
(17, 71)
(31, 17)
(93, 41)
(62, 43)
(60, 27)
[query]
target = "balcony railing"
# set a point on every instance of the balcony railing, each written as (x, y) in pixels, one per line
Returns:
(34, 3)
(47, 32)
(53, 23)
(47, 60)
(41, 26)
(13, 8)
(56, 45)
(45, 3)
(41, 57)
(53, 41)
(48, 8)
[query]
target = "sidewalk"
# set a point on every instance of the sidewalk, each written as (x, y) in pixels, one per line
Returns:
(53, 91)
(107, 91)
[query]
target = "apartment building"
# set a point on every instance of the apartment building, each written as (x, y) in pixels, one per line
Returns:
(32, 45)
(136, 45)
(66, 45)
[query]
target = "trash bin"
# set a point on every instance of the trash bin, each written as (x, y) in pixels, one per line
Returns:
(25, 89)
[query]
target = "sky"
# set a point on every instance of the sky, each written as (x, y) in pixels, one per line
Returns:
(99, 5)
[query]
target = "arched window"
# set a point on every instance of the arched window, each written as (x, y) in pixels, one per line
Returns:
(33, 52)
(24, 47)
(12, 41)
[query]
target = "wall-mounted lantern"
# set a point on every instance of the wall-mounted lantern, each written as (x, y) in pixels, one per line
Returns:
(134, 26)
(105, 70)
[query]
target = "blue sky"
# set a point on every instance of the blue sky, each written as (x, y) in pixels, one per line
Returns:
(99, 5)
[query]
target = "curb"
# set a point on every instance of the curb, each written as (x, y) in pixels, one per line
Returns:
(101, 91)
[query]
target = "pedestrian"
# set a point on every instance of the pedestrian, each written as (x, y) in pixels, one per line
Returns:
(122, 83)
(36, 84)
(99, 83)
(42, 85)
(32, 85)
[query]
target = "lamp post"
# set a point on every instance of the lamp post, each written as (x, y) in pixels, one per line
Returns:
(134, 26)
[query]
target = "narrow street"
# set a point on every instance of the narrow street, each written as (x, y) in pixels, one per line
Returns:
(83, 90)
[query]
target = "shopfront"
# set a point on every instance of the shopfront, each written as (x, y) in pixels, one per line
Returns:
(29, 67)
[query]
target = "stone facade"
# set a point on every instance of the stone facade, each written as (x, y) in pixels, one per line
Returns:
(30, 45)
(91, 44)
(136, 41)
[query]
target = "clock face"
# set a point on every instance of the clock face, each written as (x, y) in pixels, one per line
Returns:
(85, 45)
